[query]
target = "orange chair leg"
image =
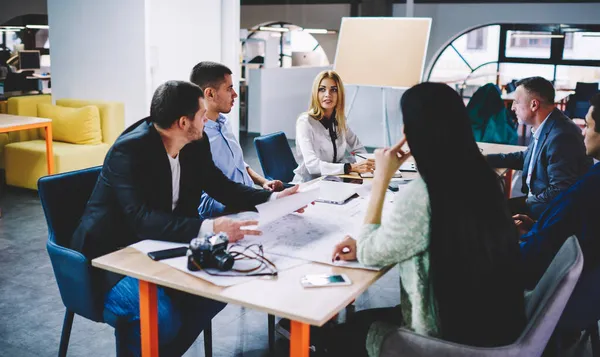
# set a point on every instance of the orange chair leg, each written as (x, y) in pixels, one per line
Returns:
(148, 319)
(300, 338)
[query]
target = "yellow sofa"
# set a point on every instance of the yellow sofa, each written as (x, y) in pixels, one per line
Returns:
(26, 106)
(25, 159)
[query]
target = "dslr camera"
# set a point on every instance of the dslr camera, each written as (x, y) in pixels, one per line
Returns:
(210, 252)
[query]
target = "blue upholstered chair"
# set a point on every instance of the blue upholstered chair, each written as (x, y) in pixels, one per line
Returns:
(276, 157)
(64, 197)
(543, 308)
(579, 103)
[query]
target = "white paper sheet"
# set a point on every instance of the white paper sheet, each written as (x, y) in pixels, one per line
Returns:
(282, 263)
(272, 210)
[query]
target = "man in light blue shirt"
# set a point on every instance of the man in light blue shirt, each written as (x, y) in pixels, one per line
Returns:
(215, 80)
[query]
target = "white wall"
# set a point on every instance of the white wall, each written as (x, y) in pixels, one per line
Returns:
(13, 8)
(327, 16)
(277, 96)
(123, 50)
(99, 52)
(365, 116)
(230, 51)
(177, 39)
(451, 19)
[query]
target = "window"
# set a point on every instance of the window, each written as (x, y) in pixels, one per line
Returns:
(584, 46)
(476, 39)
(569, 41)
(510, 71)
(528, 44)
(568, 76)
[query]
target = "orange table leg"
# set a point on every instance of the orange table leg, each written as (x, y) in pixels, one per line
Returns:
(299, 339)
(508, 183)
(148, 319)
(49, 153)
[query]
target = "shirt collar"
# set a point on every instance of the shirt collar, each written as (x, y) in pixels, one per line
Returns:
(217, 124)
(536, 133)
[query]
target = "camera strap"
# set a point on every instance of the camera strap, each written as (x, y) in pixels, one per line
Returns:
(263, 262)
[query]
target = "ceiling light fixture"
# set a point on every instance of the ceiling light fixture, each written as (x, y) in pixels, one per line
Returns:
(534, 35)
(37, 26)
(319, 31)
(274, 29)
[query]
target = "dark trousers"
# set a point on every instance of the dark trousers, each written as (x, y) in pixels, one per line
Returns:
(349, 339)
(181, 316)
(518, 205)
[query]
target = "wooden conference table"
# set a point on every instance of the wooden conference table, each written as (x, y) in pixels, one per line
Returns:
(282, 296)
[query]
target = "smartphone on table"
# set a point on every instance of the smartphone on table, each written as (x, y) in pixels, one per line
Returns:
(168, 253)
(322, 280)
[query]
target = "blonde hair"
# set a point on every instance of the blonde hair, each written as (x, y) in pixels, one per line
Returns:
(316, 111)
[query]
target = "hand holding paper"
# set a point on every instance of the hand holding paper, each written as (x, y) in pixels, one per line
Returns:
(286, 203)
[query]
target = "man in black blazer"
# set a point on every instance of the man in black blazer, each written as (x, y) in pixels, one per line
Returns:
(149, 188)
(555, 158)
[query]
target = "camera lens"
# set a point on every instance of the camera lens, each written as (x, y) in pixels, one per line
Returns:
(223, 260)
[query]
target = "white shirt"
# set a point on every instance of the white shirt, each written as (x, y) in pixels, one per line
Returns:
(207, 225)
(536, 136)
(314, 149)
(175, 179)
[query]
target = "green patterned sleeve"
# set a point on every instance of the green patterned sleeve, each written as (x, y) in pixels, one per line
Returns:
(404, 234)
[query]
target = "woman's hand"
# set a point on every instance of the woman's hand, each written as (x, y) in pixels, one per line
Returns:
(363, 166)
(388, 160)
(345, 250)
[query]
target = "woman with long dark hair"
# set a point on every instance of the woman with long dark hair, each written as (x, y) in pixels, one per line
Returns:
(450, 233)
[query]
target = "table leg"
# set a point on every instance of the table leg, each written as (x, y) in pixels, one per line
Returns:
(49, 153)
(299, 339)
(148, 319)
(508, 183)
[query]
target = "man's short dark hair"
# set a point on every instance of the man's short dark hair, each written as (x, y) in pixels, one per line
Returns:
(209, 74)
(595, 102)
(541, 87)
(172, 100)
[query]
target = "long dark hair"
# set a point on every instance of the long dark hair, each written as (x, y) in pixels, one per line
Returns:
(473, 250)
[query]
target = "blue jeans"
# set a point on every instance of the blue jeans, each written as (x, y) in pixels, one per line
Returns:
(181, 316)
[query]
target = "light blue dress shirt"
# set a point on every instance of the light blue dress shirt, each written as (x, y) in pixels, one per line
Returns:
(536, 136)
(228, 157)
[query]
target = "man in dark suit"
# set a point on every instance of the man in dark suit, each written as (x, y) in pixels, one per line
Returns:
(555, 158)
(573, 212)
(149, 188)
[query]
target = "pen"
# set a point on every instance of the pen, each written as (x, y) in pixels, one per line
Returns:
(359, 155)
(345, 250)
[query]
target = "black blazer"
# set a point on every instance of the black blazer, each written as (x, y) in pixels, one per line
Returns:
(560, 161)
(132, 199)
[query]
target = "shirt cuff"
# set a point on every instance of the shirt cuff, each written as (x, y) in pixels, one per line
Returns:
(207, 227)
(273, 197)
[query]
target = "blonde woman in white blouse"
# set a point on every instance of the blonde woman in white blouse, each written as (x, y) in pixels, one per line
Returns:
(324, 143)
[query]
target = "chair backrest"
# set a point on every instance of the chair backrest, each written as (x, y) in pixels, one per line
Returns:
(543, 308)
(276, 157)
(585, 91)
(64, 197)
(545, 304)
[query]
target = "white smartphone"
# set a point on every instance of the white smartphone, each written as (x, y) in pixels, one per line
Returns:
(321, 280)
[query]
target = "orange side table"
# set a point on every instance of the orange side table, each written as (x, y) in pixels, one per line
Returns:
(10, 123)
